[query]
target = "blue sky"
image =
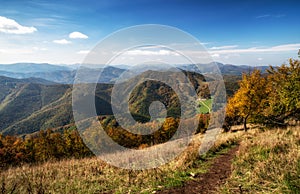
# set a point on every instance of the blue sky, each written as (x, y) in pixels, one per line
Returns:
(63, 32)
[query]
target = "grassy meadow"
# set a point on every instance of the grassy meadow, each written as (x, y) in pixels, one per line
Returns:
(267, 162)
(91, 175)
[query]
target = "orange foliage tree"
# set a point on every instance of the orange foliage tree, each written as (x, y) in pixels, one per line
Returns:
(250, 99)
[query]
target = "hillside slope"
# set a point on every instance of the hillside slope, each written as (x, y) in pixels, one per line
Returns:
(260, 166)
(27, 107)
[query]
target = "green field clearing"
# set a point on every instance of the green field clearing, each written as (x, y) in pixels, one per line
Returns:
(205, 106)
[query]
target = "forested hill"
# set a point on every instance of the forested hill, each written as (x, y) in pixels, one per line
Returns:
(29, 105)
(23, 99)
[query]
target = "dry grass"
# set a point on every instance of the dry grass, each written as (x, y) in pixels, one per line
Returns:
(267, 162)
(91, 175)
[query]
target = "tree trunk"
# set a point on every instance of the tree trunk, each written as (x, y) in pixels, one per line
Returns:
(245, 123)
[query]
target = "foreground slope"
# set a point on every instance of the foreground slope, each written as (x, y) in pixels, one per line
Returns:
(266, 162)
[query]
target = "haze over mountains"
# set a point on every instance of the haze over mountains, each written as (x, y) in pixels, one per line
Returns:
(55, 73)
(66, 74)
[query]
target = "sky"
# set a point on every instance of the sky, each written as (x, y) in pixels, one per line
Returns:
(264, 32)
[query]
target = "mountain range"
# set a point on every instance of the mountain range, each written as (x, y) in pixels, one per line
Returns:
(58, 74)
(66, 74)
(39, 96)
(29, 105)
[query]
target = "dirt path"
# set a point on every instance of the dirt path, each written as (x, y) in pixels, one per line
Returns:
(210, 181)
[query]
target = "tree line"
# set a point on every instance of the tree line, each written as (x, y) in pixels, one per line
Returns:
(43, 146)
(66, 143)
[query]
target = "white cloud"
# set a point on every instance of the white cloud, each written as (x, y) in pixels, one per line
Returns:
(270, 16)
(83, 52)
(10, 26)
(75, 35)
(279, 48)
(17, 50)
(223, 47)
(148, 52)
(263, 16)
(215, 55)
(62, 41)
(39, 49)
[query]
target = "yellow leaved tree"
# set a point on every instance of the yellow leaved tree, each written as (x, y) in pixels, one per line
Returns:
(250, 100)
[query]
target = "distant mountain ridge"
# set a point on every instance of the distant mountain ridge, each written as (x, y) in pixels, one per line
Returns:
(58, 74)
(224, 69)
(66, 74)
(32, 67)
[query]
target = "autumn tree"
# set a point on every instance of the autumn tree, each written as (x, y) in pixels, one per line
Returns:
(250, 99)
(284, 98)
